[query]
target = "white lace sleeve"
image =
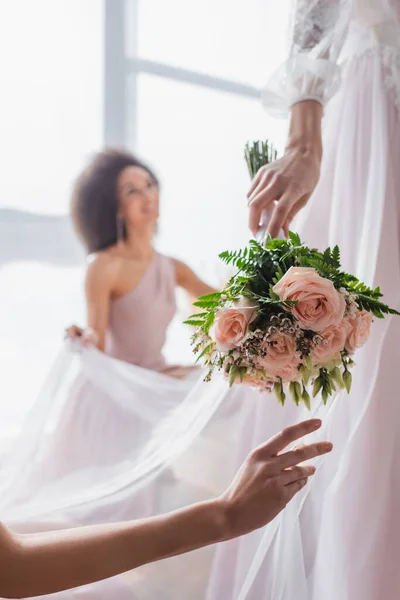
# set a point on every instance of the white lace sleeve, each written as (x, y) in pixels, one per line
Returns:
(311, 71)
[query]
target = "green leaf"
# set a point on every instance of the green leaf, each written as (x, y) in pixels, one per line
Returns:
(317, 386)
(206, 350)
(295, 391)
(194, 322)
(306, 399)
(336, 256)
(295, 238)
(257, 155)
(201, 315)
(213, 296)
(305, 374)
(233, 372)
(337, 377)
(205, 303)
(347, 380)
(308, 362)
(209, 322)
(242, 373)
(279, 393)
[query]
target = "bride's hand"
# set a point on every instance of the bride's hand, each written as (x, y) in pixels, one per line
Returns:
(284, 186)
(268, 480)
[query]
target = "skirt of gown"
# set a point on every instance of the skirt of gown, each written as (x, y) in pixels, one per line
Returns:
(117, 442)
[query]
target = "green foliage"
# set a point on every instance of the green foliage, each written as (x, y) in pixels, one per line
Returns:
(259, 268)
(258, 154)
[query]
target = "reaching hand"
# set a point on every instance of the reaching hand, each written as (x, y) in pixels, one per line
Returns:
(268, 480)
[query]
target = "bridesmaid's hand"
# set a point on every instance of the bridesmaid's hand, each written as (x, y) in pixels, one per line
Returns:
(268, 480)
(73, 332)
(284, 186)
(86, 337)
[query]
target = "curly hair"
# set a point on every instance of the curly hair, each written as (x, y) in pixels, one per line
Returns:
(94, 205)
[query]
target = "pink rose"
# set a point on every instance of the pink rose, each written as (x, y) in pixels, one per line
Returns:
(332, 345)
(359, 330)
(319, 304)
(281, 359)
(231, 324)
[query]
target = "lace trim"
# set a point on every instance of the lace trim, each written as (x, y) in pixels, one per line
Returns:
(313, 21)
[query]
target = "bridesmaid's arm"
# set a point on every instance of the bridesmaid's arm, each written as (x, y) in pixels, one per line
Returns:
(189, 281)
(98, 289)
(39, 564)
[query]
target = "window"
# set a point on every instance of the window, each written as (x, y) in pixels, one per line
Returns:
(175, 81)
(51, 117)
(188, 103)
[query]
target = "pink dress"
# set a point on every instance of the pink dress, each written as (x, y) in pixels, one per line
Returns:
(94, 430)
(139, 320)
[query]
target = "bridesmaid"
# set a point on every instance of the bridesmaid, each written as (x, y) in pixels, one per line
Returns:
(130, 288)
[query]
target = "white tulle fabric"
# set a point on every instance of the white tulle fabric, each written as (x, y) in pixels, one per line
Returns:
(325, 35)
(110, 441)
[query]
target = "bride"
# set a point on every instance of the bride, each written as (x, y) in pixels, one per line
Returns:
(343, 540)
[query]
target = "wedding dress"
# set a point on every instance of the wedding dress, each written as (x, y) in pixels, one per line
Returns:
(340, 538)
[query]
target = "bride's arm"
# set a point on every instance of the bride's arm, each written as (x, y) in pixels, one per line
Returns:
(38, 564)
(300, 89)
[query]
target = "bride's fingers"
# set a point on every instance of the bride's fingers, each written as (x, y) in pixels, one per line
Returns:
(281, 212)
(255, 183)
(294, 211)
(265, 179)
(262, 200)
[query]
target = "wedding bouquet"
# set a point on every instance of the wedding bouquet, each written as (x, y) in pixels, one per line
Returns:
(289, 319)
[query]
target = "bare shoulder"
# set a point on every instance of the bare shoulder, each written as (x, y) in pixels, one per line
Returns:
(102, 269)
